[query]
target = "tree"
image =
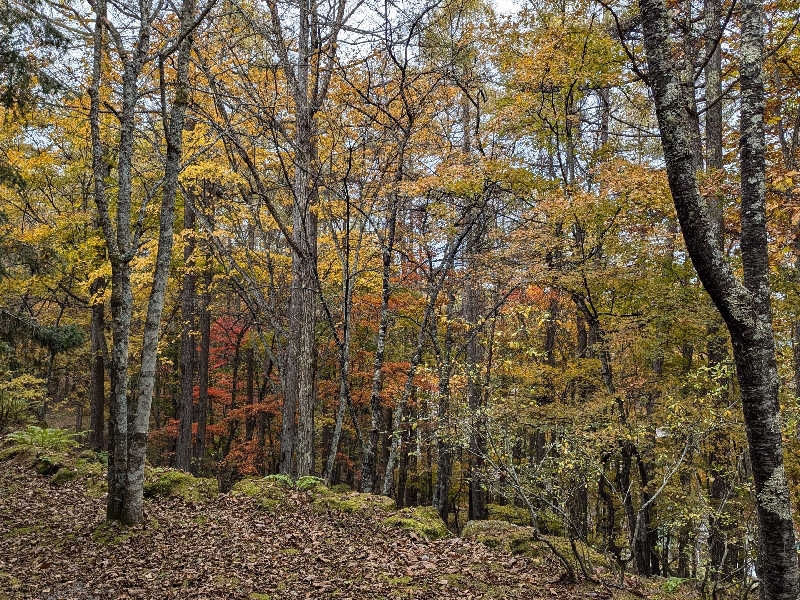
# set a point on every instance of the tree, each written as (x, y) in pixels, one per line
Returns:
(129, 425)
(745, 304)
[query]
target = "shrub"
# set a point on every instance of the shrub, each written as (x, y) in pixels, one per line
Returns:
(19, 398)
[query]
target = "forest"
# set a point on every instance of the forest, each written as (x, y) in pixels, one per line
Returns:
(423, 280)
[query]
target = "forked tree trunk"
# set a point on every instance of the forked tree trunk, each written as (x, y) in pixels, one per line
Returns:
(745, 306)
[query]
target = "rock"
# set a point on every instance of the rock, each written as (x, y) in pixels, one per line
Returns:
(47, 465)
(350, 502)
(63, 475)
(515, 539)
(270, 491)
(509, 513)
(423, 520)
(169, 483)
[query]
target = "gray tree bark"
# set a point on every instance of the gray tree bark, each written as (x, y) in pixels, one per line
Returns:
(120, 242)
(744, 305)
(173, 132)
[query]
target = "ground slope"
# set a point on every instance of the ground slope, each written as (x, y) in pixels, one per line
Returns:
(54, 544)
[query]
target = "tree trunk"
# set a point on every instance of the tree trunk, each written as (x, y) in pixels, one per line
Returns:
(183, 448)
(441, 495)
(174, 138)
(250, 368)
(745, 307)
(202, 371)
(98, 380)
(234, 391)
(369, 459)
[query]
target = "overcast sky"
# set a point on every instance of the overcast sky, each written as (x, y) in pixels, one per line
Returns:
(506, 7)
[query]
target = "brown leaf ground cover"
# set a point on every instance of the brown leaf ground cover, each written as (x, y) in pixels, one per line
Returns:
(54, 544)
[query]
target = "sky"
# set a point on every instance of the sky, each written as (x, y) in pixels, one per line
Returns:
(506, 7)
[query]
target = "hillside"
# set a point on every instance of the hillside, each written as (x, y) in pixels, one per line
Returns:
(264, 540)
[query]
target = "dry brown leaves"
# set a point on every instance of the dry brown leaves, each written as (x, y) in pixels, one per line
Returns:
(54, 545)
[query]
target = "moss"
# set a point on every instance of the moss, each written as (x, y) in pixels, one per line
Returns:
(341, 488)
(550, 524)
(456, 579)
(88, 468)
(90, 456)
(23, 531)
(350, 502)
(8, 583)
(270, 491)
(48, 465)
(518, 540)
(259, 596)
(422, 520)
(14, 451)
(402, 581)
(308, 482)
(63, 475)
(110, 533)
(509, 513)
(166, 483)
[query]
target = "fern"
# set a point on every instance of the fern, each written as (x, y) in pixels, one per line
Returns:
(43, 438)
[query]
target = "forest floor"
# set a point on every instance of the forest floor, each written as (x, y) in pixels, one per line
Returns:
(54, 544)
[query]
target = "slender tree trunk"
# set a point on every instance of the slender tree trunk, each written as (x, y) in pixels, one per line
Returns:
(250, 368)
(98, 381)
(116, 242)
(369, 459)
(183, 448)
(344, 401)
(402, 471)
(174, 138)
(717, 344)
(232, 424)
(441, 495)
(202, 371)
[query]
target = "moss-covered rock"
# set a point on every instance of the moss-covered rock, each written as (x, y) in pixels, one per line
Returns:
(63, 475)
(15, 451)
(110, 533)
(548, 522)
(168, 483)
(48, 465)
(509, 513)
(270, 491)
(505, 536)
(494, 533)
(423, 520)
(341, 488)
(350, 502)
